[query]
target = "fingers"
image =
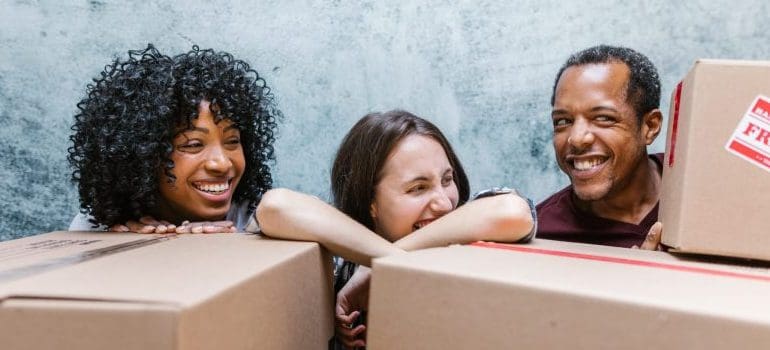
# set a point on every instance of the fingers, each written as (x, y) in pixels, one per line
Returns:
(170, 228)
(136, 226)
(652, 241)
(148, 224)
(119, 228)
(206, 227)
(184, 227)
(353, 341)
(347, 319)
(160, 226)
(348, 335)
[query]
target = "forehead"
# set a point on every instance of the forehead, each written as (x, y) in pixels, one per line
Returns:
(592, 82)
(415, 155)
(204, 118)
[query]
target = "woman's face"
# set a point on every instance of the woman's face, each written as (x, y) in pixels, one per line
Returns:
(208, 164)
(416, 187)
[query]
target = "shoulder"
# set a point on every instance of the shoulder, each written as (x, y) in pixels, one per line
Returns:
(556, 214)
(240, 213)
(556, 202)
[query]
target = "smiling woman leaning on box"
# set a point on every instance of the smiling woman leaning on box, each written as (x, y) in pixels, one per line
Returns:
(397, 186)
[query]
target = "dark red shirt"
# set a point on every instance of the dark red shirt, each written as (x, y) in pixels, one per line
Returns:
(559, 219)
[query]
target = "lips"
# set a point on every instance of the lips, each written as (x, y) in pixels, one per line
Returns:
(214, 189)
(422, 223)
(583, 167)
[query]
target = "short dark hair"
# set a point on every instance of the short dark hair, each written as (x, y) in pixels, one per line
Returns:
(125, 126)
(358, 165)
(643, 89)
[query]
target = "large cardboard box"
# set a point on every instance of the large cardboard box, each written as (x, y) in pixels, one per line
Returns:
(557, 295)
(716, 174)
(70, 290)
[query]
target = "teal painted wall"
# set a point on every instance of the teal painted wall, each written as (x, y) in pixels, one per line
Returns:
(481, 70)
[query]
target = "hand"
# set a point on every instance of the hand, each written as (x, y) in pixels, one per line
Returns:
(652, 241)
(146, 224)
(206, 227)
(352, 298)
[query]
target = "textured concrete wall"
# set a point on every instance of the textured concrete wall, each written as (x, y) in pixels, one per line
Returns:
(481, 70)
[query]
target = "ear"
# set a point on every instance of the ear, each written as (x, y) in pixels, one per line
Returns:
(651, 124)
(373, 210)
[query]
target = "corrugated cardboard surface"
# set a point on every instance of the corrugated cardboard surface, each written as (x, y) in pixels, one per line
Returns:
(225, 291)
(555, 295)
(712, 201)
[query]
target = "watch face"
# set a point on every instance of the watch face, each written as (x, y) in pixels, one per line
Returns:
(493, 192)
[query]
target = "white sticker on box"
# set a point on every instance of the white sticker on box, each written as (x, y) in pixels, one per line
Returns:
(751, 139)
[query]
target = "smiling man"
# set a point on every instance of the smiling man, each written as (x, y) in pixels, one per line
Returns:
(605, 113)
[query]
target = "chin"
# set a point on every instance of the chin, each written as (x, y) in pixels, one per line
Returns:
(214, 214)
(590, 193)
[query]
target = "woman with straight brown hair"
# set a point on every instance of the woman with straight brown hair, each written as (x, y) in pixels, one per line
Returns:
(397, 186)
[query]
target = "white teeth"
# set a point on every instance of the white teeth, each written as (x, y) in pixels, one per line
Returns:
(213, 188)
(587, 164)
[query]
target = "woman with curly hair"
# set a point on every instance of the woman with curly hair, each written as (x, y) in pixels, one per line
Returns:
(160, 141)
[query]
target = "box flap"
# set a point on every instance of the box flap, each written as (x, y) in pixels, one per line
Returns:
(149, 275)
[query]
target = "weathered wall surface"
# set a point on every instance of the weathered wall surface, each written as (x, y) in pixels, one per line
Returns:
(481, 70)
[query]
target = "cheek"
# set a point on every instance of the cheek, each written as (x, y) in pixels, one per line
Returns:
(239, 161)
(559, 142)
(454, 196)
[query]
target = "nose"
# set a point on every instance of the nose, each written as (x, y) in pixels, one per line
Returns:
(441, 203)
(581, 136)
(217, 161)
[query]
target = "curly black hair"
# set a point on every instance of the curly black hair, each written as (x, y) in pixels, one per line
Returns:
(124, 129)
(643, 89)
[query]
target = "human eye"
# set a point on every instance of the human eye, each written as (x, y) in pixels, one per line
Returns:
(560, 122)
(233, 141)
(190, 146)
(605, 118)
(447, 180)
(417, 188)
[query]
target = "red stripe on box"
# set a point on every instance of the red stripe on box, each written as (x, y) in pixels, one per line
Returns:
(623, 261)
(749, 152)
(674, 125)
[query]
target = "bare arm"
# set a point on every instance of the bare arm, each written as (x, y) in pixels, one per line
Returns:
(287, 214)
(501, 218)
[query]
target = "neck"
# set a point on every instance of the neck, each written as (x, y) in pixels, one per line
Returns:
(631, 202)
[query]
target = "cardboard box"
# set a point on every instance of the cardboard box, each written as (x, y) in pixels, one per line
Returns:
(717, 164)
(70, 290)
(558, 295)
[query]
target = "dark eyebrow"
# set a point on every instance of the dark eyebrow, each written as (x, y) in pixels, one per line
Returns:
(603, 108)
(558, 112)
(417, 179)
(206, 131)
(424, 178)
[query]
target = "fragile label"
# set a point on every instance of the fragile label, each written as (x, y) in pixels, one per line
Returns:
(751, 139)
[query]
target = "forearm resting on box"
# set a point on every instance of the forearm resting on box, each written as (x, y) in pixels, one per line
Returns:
(292, 215)
(501, 218)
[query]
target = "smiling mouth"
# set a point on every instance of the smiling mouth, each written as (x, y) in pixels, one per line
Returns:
(588, 163)
(420, 224)
(213, 187)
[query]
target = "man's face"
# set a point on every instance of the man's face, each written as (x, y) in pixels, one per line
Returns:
(599, 142)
